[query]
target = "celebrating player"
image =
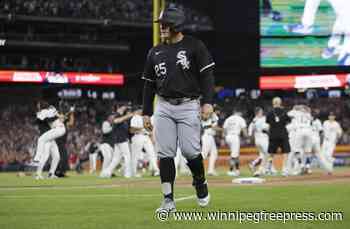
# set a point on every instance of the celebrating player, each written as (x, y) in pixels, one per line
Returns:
(301, 116)
(142, 140)
(258, 128)
(178, 70)
(120, 133)
(107, 145)
(332, 132)
(233, 126)
(51, 128)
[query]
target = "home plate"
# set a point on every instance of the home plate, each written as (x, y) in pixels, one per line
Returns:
(248, 180)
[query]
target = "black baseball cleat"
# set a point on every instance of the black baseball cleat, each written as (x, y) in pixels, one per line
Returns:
(203, 196)
(60, 174)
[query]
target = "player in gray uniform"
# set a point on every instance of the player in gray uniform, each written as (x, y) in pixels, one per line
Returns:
(179, 71)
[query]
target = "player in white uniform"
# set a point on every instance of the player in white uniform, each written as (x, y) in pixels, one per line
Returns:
(301, 115)
(142, 140)
(332, 132)
(233, 126)
(341, 27)
(106, 146)
(294, 161)
(46, 145)
(317, 128)
(257, 129)
(209, 125)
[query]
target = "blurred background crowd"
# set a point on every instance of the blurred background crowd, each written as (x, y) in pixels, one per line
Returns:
(130, 10)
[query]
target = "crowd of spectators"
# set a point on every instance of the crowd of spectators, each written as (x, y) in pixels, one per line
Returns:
(130, 10)
(18, 132)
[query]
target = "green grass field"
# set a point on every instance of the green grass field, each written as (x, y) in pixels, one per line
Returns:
(86, 202)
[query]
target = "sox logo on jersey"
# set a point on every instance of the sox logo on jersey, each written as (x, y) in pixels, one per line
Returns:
(182, 59)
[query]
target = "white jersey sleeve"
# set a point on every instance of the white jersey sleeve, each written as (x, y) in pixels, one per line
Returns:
(52, 112)
(243, 123)
(42, 114)
(106, 127)
(339, 130)
(317, 126)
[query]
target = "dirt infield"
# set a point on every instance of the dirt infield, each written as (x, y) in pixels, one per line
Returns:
(185, 181)
(316, 178)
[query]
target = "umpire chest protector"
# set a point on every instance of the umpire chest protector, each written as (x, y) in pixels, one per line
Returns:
(176, 68)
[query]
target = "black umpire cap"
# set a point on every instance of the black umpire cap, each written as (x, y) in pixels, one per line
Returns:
(174, 17)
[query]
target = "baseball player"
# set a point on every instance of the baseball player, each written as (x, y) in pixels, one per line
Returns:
(301, 116)
(209, 127)
(233, 127)
(179, 71)
(257, 129)
(142, 140)
(332, 132)
(46, 144)
(120, 133)
(294, 166)
(68, 120)
(106, 146)
(317, 128)
(92, 156)
(89, 153)
(341, 27)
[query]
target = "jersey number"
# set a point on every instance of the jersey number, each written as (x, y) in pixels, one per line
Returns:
(160, 69)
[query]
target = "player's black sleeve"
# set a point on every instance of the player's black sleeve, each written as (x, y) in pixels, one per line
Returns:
(205, 65)
(148, 72)
(207, 86)
(149, 86)
(148, 95)
(203, 58)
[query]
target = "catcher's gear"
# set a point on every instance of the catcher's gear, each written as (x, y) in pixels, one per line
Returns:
(174, 17)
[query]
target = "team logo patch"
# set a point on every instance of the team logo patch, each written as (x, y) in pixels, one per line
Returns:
(182, 59)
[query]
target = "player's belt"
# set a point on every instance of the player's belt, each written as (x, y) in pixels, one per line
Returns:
(177, 101)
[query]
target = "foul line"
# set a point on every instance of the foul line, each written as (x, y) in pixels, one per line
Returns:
(77, 196)
(185, 198)
(50, 187)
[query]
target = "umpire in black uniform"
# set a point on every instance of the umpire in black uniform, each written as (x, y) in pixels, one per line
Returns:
(278, 135)
(179, 71)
